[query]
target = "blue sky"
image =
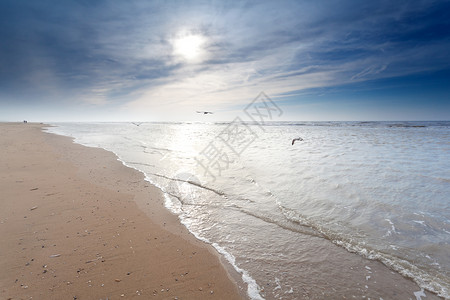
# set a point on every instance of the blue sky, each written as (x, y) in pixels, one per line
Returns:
(164, 60)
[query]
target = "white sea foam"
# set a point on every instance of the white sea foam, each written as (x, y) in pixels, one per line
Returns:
(253, 289)
(420, 294)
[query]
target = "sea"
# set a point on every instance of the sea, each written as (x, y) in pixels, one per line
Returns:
(309, 218)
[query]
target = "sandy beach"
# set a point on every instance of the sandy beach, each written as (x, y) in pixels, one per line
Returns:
(77, 224)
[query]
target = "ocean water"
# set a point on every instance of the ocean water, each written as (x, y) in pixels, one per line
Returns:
(377, 189)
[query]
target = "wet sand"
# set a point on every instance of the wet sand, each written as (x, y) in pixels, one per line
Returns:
(76, 224)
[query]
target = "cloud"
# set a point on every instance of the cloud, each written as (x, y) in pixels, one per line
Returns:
(121, 54)
(371, 70)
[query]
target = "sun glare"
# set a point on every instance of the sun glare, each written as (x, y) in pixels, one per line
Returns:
(189, 47)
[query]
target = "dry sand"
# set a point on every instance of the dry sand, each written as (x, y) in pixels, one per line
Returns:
(76, 224)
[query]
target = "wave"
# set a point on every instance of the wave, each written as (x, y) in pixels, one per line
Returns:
(197, 184)
(253, 289)
(436, 283)
(298, 223)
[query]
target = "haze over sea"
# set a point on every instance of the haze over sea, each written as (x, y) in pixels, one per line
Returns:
(378, 189)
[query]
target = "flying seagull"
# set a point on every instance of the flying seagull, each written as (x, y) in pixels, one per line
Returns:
(137, 124)
(204, 112)
(297, 139)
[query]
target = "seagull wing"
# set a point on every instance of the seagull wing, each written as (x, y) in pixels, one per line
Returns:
(204, 112)
(297, 139)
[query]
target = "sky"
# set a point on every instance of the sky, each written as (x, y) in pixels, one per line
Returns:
(83, 60)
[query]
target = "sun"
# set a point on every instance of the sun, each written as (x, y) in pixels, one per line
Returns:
(190, 47)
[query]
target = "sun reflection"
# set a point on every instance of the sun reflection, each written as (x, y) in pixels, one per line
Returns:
(182, 139)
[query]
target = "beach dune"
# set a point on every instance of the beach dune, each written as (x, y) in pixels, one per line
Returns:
(77, 224)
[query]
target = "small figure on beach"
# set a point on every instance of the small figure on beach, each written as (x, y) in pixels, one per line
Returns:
(204, 112)
(25, 121)
(297, 139)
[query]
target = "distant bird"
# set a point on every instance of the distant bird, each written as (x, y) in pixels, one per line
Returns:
(137, 124)
(204, 112)
(297, 139)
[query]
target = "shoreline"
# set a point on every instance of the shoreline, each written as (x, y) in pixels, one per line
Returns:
(77, 222)
(318, 273)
